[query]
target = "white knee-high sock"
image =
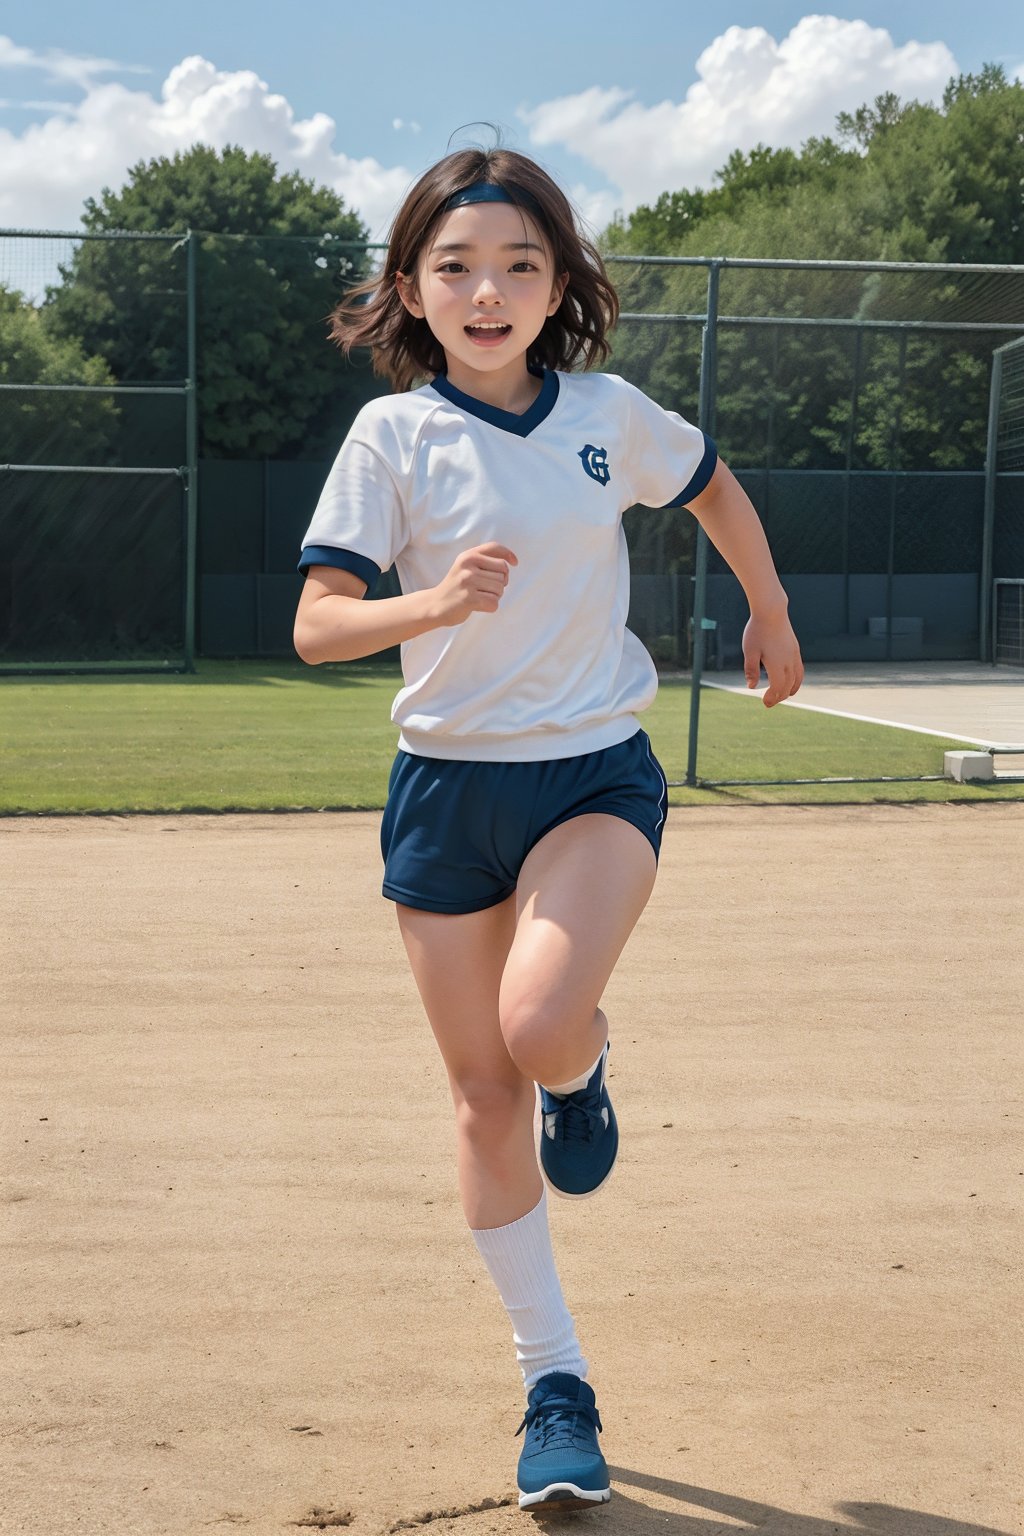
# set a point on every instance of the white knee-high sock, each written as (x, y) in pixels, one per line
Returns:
(522, 1266)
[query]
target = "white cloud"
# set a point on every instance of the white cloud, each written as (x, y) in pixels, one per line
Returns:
(79, 69)
(50, 167)
(9, 104)
(596, 209)
(750, 89)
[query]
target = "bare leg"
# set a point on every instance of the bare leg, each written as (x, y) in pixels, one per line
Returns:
(512, 996)
(581, 891)
(457, 962)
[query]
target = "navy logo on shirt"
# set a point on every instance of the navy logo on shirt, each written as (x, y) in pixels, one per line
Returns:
(595, 462)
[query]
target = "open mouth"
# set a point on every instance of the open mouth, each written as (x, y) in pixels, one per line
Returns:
(488, 332)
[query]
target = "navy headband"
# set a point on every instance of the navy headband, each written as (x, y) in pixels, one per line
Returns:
(491, 192)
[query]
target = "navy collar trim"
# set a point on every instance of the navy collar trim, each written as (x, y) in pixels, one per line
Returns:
(508, 421)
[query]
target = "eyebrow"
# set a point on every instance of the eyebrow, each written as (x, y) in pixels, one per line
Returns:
(515, 245)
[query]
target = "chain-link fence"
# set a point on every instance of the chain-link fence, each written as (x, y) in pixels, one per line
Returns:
(1003, 555)
(851, 400)
(124, 359)
(94, 482)
(169, 409)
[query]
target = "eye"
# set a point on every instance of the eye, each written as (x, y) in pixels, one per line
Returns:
(448, 266)
(524, 266)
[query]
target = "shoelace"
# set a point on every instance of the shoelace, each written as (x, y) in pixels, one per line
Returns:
(558, 1421)
(575, 1120)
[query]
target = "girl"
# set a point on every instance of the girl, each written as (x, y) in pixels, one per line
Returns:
(525, 807)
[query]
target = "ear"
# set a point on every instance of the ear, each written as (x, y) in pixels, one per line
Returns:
(558, 288)
(409, 295)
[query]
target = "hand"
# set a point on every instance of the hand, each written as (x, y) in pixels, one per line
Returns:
(769, 642)
(475, 584)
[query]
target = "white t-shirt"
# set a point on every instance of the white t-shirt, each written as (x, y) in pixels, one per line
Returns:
(424, 475)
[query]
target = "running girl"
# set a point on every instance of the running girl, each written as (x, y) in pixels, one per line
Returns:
(525, 807)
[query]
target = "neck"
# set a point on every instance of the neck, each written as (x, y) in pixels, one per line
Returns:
(512, 389)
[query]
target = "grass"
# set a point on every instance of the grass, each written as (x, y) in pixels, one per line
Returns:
(284, 736)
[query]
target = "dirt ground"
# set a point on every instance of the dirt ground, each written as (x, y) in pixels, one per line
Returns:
(237, 1289)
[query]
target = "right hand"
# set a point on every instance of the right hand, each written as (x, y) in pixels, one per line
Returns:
(475, 583)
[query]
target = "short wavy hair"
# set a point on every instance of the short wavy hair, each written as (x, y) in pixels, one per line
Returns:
(404, 349)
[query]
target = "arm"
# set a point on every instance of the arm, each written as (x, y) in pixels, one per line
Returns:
(334, 624)
(734, 528)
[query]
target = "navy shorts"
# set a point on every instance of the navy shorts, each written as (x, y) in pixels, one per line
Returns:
(455, 834)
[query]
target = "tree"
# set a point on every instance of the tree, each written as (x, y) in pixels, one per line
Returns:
(39, 427)
(870, 122)
(274, 252)
(950, 182)
(901, 181)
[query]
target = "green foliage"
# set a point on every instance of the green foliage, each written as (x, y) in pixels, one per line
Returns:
(901, 181)
(44, 427)
(274, 254)
(870, 122)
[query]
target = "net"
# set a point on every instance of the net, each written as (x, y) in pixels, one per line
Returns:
(851, 401)
(1008, 622)
(92, 568)
(93, 452)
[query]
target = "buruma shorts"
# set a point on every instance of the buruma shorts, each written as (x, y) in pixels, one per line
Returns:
(456, 834)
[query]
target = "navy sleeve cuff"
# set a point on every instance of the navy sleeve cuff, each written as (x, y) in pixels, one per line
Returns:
(701, 476)
(341, 560)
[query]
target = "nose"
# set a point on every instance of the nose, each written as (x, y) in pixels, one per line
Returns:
(487, 292)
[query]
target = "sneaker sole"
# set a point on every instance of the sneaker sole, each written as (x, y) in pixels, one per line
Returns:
(564, 1495)
(563, 1194)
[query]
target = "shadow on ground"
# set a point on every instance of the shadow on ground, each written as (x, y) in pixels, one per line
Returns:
(702, 1512)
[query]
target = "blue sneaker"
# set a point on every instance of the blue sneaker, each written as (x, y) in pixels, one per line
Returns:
(561, 1462)
(578, 1137)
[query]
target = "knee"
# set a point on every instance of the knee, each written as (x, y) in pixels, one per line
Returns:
(542, 1034)
(488, 1111)
(528, 1028)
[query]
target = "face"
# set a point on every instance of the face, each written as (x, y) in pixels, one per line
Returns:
(485, 286)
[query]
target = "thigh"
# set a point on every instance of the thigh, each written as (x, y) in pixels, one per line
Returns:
(457, 962)
(581, 890)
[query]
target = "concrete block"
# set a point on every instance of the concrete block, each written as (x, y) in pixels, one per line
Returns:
(962, 766)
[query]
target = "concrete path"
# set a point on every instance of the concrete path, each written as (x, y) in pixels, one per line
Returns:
(970, 701)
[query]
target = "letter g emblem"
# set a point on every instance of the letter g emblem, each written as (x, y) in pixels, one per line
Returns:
(595, 462)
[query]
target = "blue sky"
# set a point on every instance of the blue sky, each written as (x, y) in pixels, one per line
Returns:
(619, 100)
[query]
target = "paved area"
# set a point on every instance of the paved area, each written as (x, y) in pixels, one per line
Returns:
(971, 701)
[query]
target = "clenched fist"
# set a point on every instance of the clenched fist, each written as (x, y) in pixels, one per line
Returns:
(475, 584)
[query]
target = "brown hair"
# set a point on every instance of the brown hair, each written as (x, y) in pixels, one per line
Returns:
(403, 347)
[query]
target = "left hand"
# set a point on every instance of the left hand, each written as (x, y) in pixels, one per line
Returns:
(769, 642)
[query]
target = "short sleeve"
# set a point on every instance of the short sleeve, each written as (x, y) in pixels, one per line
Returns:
(670, 460)
(359, 523)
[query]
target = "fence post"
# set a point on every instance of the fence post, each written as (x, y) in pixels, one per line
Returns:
(706, 421)
(851, 442)
(894, 490)
(986, 649)
(191, 455)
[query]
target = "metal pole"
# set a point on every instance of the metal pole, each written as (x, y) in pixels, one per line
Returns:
(770, 435)
(897, 454)
(986, 648)
(851, 439)
(191, 456)
(706, 421)
(265, 558)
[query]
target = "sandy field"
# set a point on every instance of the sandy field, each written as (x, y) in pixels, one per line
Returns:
(237, 1289)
